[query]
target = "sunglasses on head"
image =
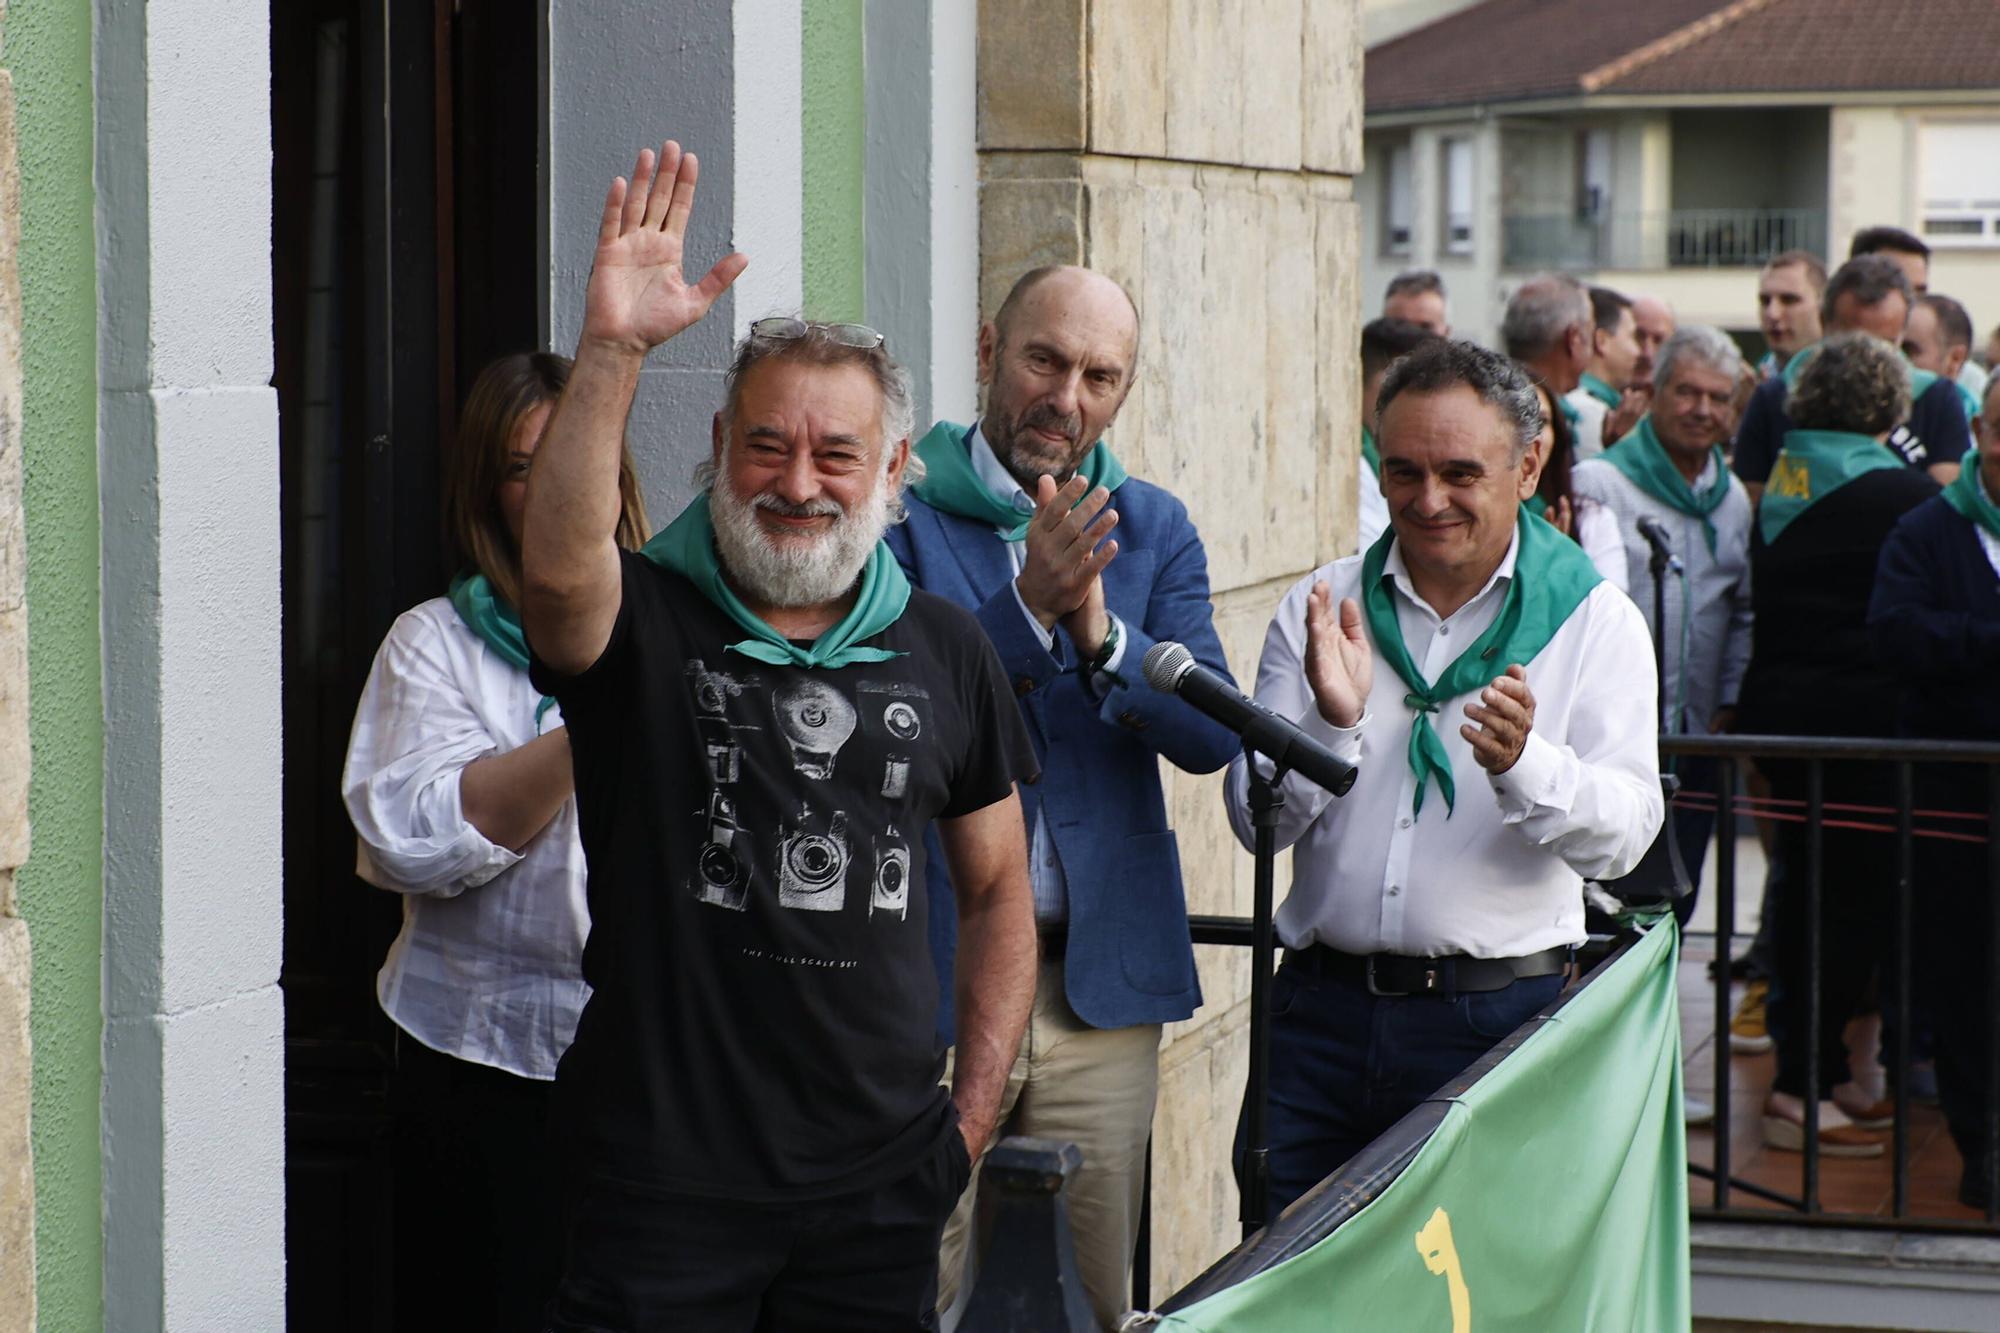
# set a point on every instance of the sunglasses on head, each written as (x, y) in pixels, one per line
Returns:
(783, 328)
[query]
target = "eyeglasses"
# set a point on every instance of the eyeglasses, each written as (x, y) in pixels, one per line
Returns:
(783, 328)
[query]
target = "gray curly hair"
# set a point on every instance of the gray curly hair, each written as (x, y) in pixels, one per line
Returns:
(1853, 382)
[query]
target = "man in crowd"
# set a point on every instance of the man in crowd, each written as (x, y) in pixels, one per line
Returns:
(1935, 621)
(1670, 470)
(1868, 295)
(1900, 248)
(1788, 297)
(1600, 399)
(1418, 934)
(766, 723)
(1938, 340)
(1382, 341)
(1014, 521)
(1418, 296)
(1548, 329)
(1654, 323)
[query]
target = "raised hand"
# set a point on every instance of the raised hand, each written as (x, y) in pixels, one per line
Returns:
(1634, 403)
(1066, 549)
(638, 296)
(1340, 666)
(1505, 714)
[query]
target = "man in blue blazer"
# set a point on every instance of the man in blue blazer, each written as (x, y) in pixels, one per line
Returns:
(1013, 520)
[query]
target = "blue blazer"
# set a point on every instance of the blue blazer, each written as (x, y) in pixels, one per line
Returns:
(1128, 959)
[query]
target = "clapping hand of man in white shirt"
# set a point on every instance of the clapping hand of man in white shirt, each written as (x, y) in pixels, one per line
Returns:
(1506, 714)
(1065, 553)
(1340, 666)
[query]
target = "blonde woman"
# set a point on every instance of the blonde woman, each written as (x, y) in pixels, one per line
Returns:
(459, 785)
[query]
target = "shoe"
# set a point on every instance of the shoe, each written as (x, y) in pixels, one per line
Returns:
(1875, 1115)
(1697, 1112)
(1837, 1138)
(1748, 1034)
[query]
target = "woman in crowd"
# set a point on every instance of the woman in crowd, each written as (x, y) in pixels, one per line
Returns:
(459, 785)
(1936, 624)
(1586, 522)
(1834, 494)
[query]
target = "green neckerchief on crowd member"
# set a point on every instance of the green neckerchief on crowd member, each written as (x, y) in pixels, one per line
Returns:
(1812, 465)
(1536, 505)
(1797, 365)
(1968, 495)
(1551, 578)
(497, 624)
(1371, 453)
(1599, 390)
(1568, 409)
(1644, 461)
(687, 546)
(952, 484)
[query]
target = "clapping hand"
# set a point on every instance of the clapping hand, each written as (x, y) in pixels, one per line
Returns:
(638, 295)
(1340, 666)
(1505, 714)
(1066, 551)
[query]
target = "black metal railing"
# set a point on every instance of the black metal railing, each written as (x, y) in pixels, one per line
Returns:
(1897, 819)
(1667, 238)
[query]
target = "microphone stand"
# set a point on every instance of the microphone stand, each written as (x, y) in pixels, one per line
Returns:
(1662, 561)
(1266, 800)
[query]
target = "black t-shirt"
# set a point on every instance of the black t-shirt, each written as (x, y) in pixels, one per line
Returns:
(1936, 432)
(762, 1017)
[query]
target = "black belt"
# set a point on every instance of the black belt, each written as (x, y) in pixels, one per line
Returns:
(1449, 975)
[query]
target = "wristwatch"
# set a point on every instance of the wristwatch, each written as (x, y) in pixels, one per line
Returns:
(1102, 657)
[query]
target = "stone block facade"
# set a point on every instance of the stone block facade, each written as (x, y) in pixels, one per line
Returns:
(1202, 154)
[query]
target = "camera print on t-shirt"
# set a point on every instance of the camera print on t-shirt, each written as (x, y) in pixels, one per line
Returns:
(808, 739)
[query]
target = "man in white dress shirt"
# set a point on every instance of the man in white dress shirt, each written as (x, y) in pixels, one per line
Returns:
(1433, 909)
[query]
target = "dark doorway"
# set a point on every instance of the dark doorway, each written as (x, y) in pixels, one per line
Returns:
(405, 147)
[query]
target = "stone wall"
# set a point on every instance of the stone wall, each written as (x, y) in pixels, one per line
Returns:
(1203, 154)
(17, 1172)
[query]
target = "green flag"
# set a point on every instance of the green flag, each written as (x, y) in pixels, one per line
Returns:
(687, 546)
(1643, 460)
(1553, 1195)
(952, 484)
(1551, 578)
(1811, 466)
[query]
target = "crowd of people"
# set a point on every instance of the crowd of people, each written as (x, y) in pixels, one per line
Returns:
(762, 872)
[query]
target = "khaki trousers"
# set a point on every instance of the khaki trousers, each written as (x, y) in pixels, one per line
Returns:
(1093, 1087)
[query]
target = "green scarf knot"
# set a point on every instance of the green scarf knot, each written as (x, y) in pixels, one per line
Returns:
(497, 624)
(953, 485)
(1645, 462)
(1968, 495)
(687, 546)
(1811, 466)
(1551, 578)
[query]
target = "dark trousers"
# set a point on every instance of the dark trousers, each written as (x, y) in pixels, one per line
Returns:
(1856, 919)
(1951, 924)
(641, 1261)
(1346, 1065)
(478, 1217)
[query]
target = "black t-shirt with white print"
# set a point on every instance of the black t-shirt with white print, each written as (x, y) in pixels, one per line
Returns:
(762, 1017)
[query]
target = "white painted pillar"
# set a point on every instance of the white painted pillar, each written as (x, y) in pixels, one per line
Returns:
(194, 1042)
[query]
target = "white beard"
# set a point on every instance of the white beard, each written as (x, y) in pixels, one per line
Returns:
(795, 570)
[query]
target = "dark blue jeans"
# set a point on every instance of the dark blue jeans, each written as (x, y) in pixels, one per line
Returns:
(1346, 1065)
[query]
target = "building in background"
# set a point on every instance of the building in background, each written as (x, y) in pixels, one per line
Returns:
(1669, 148)
(264, 245)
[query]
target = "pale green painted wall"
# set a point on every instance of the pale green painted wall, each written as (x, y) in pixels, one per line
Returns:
(62, 886)
(832, 108)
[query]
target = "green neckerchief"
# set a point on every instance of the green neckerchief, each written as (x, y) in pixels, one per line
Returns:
(1599, 390)
(1968, 496)
(1371, 453)
(1644, 461)
(497, 624)
(1551, 578)
(1796, 366)
(1536, 505)
(1568, 409)
(687, 546)
(952, 484)
(1812, 465)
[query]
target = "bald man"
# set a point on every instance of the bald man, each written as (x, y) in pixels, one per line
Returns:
(1014, 520)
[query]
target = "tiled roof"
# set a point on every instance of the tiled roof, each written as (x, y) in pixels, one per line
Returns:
(1506, 50)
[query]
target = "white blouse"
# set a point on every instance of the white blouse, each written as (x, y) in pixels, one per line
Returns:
(488, 965)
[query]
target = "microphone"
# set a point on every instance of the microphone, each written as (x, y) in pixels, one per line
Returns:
(1663, 547)
(1171, 669)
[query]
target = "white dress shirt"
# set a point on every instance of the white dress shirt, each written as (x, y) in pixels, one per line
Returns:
(1045, 872)
(1502, 876)
(1597, 533)
(488, 964)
